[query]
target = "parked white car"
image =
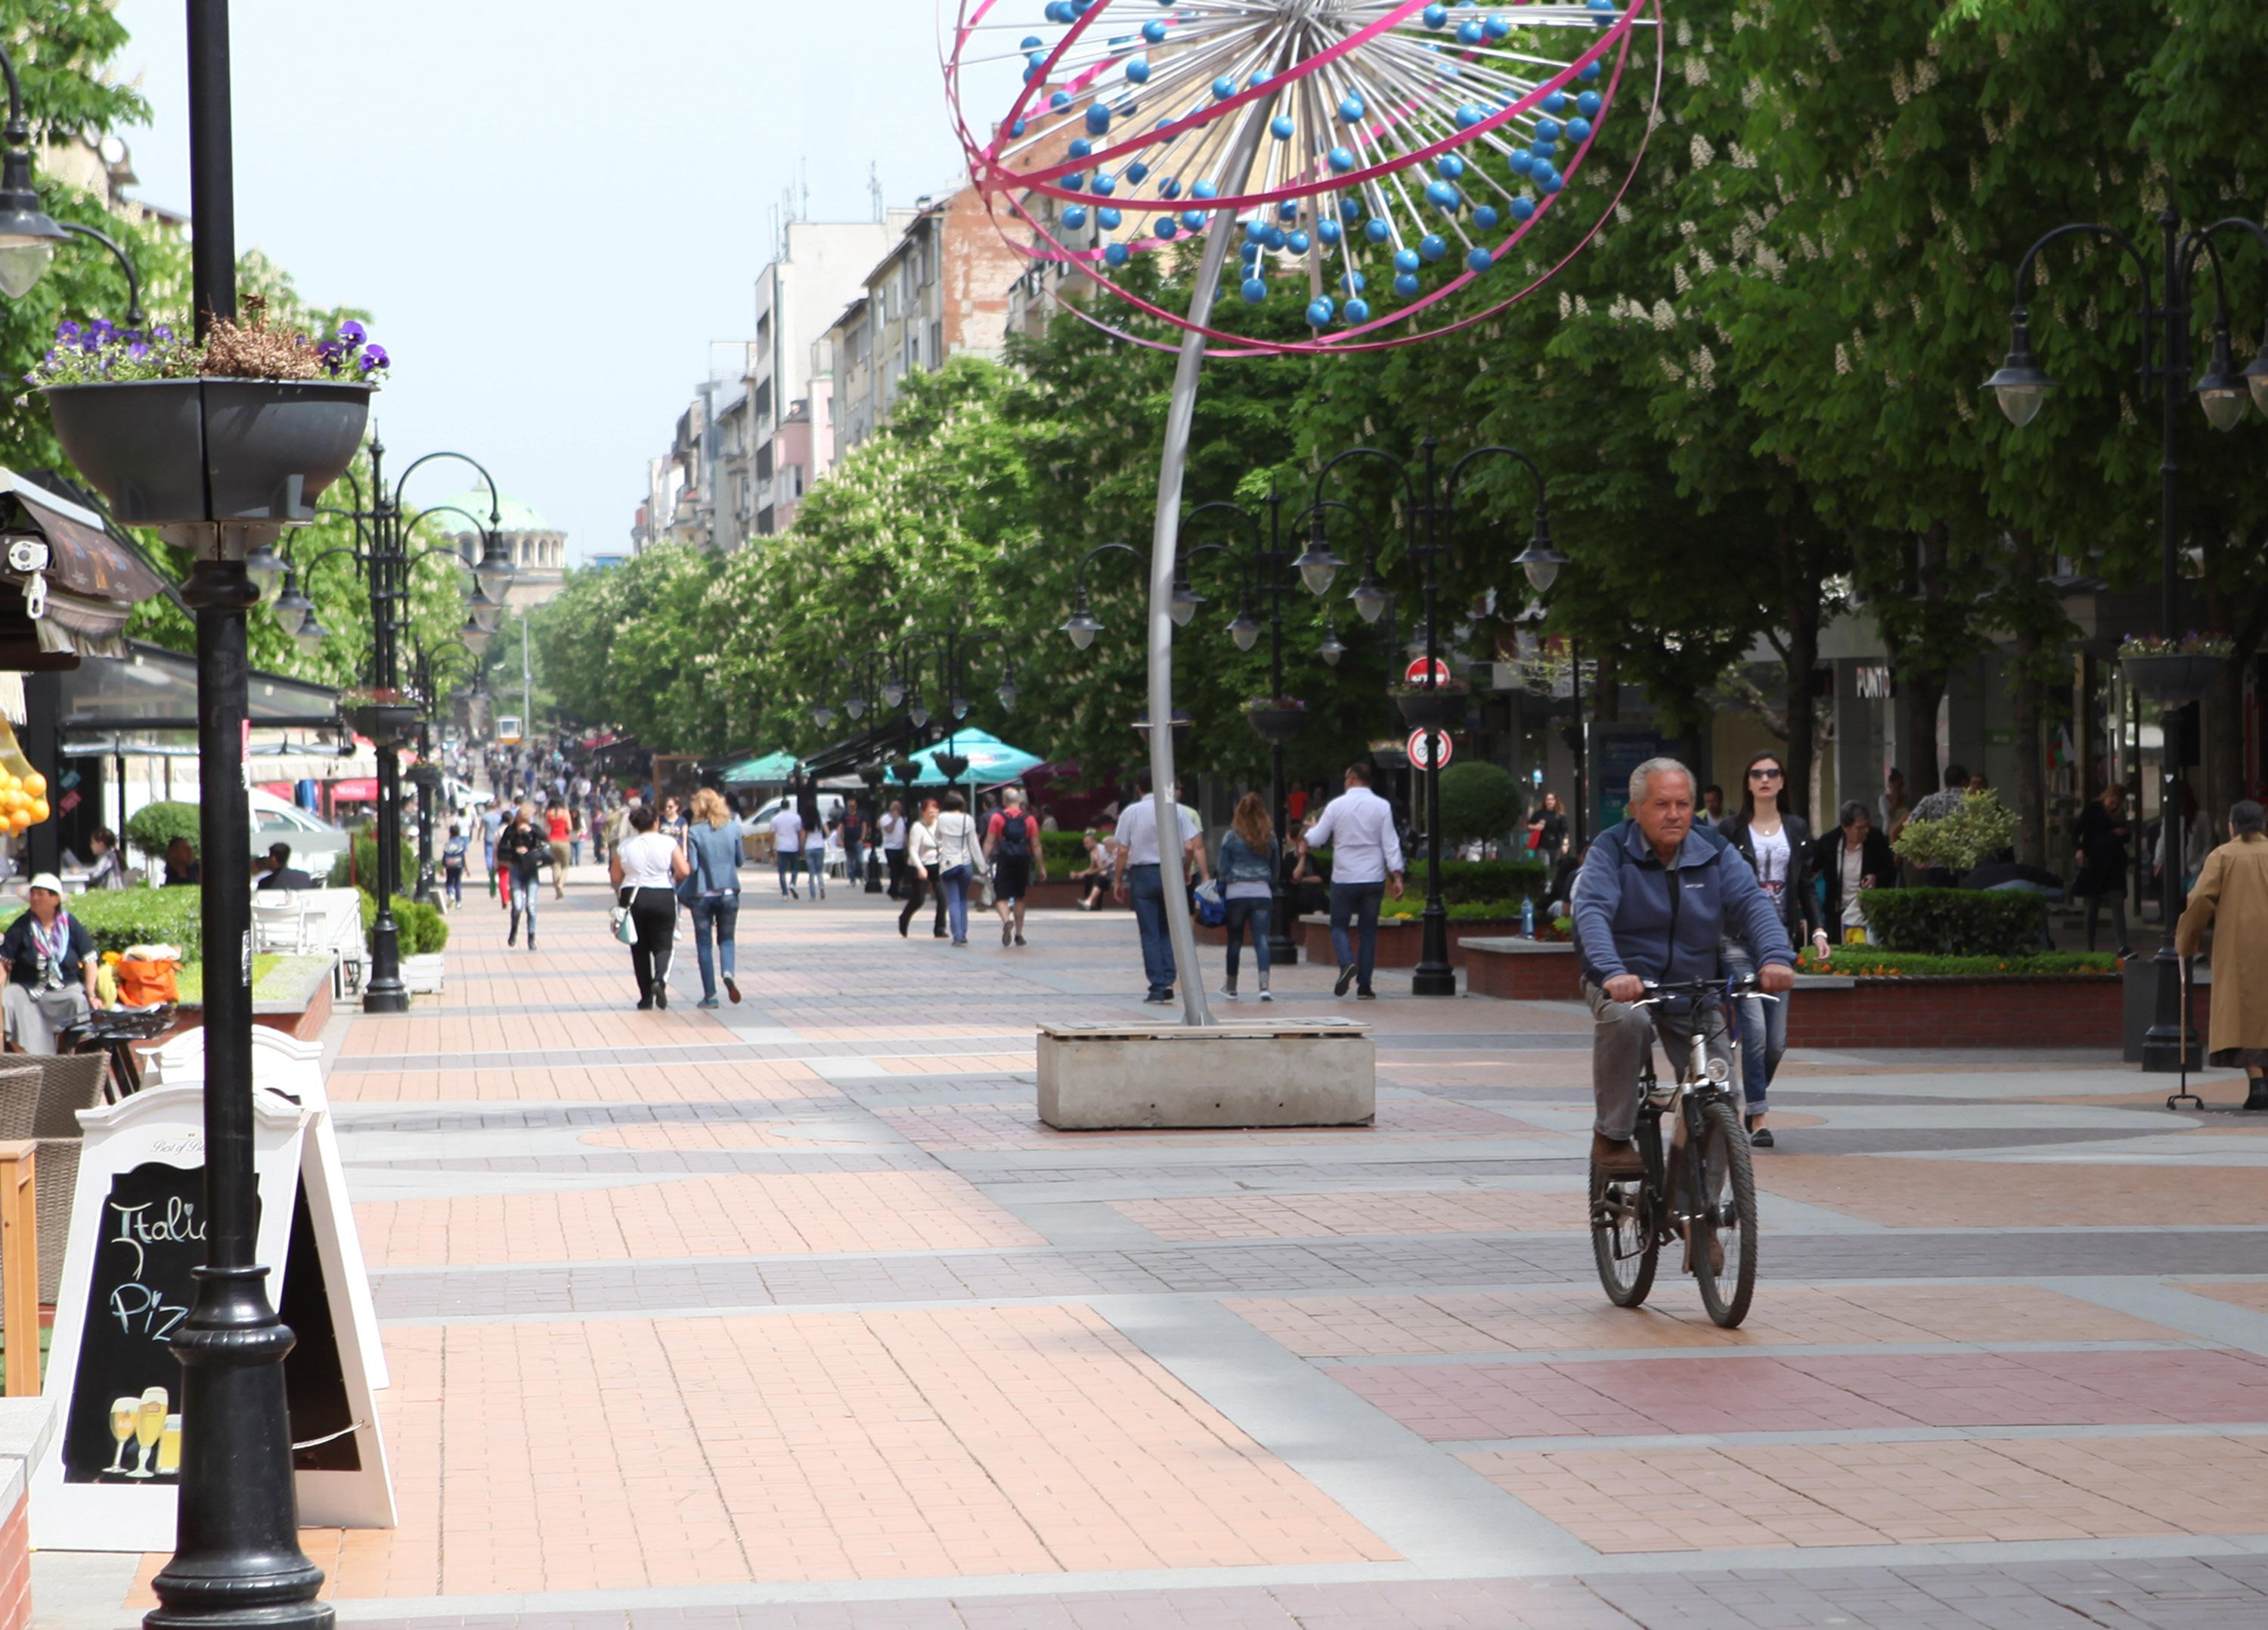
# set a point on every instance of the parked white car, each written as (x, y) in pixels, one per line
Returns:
(314, 840)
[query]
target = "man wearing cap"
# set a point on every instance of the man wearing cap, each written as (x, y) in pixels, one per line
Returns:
(48, 958)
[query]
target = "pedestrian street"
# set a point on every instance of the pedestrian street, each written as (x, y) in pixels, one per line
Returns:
(792, 1314)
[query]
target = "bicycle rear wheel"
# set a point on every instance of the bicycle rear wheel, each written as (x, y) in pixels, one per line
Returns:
(1724, 1229)
(1625, 1246)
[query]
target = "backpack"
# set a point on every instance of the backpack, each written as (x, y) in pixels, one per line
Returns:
(1016, 838)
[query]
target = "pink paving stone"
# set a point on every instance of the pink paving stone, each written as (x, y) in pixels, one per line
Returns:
(1824, 1393)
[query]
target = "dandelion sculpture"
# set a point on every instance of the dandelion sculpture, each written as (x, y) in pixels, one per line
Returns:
(1371, 160)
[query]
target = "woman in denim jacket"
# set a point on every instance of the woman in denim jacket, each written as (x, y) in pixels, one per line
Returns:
(1247, 873)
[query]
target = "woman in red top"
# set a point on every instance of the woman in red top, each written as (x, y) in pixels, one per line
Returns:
(556, 820)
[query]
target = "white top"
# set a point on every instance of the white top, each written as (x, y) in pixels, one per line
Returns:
(1137, 830)
(1771, 857)
(956, 839)
(921, 845)
(1359, 828)
(787, 830)
(1854, 861)
(893, 831)
(645, 861)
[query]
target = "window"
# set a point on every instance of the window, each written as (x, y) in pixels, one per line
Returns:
(936, 345)
(764, 463)
(764, 400)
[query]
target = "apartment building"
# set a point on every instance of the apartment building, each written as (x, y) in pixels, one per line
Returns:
(941, 289)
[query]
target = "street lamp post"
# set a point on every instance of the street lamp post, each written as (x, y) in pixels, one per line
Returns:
(902, 685)
(428, 776)
(385, 556)
(2021, 387)
(1431, 510)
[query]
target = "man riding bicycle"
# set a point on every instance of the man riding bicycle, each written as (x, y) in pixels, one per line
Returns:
(1653, 903)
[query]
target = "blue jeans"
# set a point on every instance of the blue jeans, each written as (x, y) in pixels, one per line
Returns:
(1145, 886)
(723, 912)
(1359, 902)
(791, 861)
(453, 878)
(954, 881)
(1257, 912)
(814, 861)
(1764, 1035)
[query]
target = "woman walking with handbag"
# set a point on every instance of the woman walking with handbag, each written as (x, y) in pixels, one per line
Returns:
(960, 860)
(921, 868)
(713, 854)
(1776, 844)
(1247, 875)
(645, 871)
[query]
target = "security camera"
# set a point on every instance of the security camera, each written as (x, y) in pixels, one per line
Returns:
(28, 554)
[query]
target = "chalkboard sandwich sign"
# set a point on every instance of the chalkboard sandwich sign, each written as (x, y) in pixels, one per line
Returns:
(138, 1230)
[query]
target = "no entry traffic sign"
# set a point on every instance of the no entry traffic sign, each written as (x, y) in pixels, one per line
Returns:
(1421, 756)
(1415, 674)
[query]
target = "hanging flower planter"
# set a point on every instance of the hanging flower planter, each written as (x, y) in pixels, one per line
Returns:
(2172, 672)
(1439, 708)
(952, 766)
(906, 770)
(382, 715)
(1276, 719)
(251, 425)
(872, 775)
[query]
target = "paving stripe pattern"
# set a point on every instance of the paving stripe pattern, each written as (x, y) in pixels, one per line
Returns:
(792, 1314)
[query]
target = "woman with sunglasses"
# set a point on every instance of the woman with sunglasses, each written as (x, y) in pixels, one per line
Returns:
(1777, 844)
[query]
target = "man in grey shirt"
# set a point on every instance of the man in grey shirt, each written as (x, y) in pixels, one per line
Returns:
(1365, 863)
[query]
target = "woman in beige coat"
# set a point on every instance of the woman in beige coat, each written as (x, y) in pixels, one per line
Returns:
(2232, 897)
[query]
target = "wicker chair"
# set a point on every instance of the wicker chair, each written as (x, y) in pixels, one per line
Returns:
(40, 1099)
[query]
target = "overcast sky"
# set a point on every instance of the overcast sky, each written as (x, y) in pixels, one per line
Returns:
(551, 206)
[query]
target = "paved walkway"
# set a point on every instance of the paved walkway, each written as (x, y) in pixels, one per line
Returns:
(793, 1315)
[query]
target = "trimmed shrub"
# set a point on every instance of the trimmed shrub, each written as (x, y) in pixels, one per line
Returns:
(1981, 826)
(1465, 882)
(1958, 922)
(362, 855)
(118, 918)
(1066, 852)
(418, 929)
(153, 828)
(1479, 800)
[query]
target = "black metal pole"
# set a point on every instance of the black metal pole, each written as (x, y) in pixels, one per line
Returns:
(2170, 1042)
(1434, 976)
(427, 785)
(236, 1556)
(386, 992)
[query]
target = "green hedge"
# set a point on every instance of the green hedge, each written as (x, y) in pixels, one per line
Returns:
(1958, 922)
(1873, 961)
(118, 918)
(1412, 905)
(1066, 852)
(362, 849)
(153, 828)
(419, 929)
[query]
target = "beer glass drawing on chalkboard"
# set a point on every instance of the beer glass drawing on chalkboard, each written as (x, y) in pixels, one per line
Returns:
(124, 1412)
(169, 1447)
(148, 1427)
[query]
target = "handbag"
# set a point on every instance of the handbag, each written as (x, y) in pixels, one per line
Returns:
(618, 923)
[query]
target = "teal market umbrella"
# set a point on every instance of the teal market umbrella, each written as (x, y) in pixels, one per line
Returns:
(763, 769)
(991, 760)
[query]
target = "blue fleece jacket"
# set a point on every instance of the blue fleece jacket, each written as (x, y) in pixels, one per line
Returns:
(1634, 915)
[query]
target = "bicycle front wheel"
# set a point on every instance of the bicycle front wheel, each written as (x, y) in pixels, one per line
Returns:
(1621, 1237)
(1723, 1227)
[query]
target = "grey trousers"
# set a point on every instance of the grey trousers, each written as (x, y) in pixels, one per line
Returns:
(1618, 1047)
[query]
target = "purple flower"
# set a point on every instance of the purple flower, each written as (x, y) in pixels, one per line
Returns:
(67, 329)
(374, 358)
(139, 351)
(161, 332)
(352, 333)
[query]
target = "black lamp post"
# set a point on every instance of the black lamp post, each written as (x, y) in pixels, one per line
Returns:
(386, 560)
(1273, 575)
(1432, 510)
(2022, 387)
(428, 777)
(902, 684)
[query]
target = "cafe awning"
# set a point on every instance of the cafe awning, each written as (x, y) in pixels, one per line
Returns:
(66, 585)
(149, 688)
(991, 760)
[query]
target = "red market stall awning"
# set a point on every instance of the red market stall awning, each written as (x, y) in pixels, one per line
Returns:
(361, 792)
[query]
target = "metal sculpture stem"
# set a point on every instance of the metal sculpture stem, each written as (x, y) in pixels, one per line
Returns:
(1165, 548)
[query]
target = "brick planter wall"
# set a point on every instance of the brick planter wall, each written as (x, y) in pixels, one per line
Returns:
(1523, 971)
(2054, 1010)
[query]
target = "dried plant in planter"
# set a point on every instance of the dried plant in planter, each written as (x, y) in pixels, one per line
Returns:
(100, 352)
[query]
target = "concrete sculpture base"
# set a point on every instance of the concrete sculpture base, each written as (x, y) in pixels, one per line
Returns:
(1140, 1077)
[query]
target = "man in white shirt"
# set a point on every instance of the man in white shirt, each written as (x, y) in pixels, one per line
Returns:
(1140, 876)
(1365, 863)
(787, 848)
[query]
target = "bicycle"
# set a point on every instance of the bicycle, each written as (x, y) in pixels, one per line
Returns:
(1632, 1218)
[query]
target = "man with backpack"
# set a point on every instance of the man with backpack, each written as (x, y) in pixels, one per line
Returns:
(1011, 844)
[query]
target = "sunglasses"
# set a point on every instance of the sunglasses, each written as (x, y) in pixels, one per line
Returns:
(1764, 773)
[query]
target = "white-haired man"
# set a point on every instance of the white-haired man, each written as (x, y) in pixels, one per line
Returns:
(1654, 901)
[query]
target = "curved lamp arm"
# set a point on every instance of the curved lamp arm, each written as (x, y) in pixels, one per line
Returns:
(496, 504)
(125, 263)
(1408, 485)
(2022, 368)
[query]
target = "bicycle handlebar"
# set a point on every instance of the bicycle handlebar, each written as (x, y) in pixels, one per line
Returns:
(1737, 989)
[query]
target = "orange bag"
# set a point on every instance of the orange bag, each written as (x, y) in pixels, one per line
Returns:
(145, 983)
